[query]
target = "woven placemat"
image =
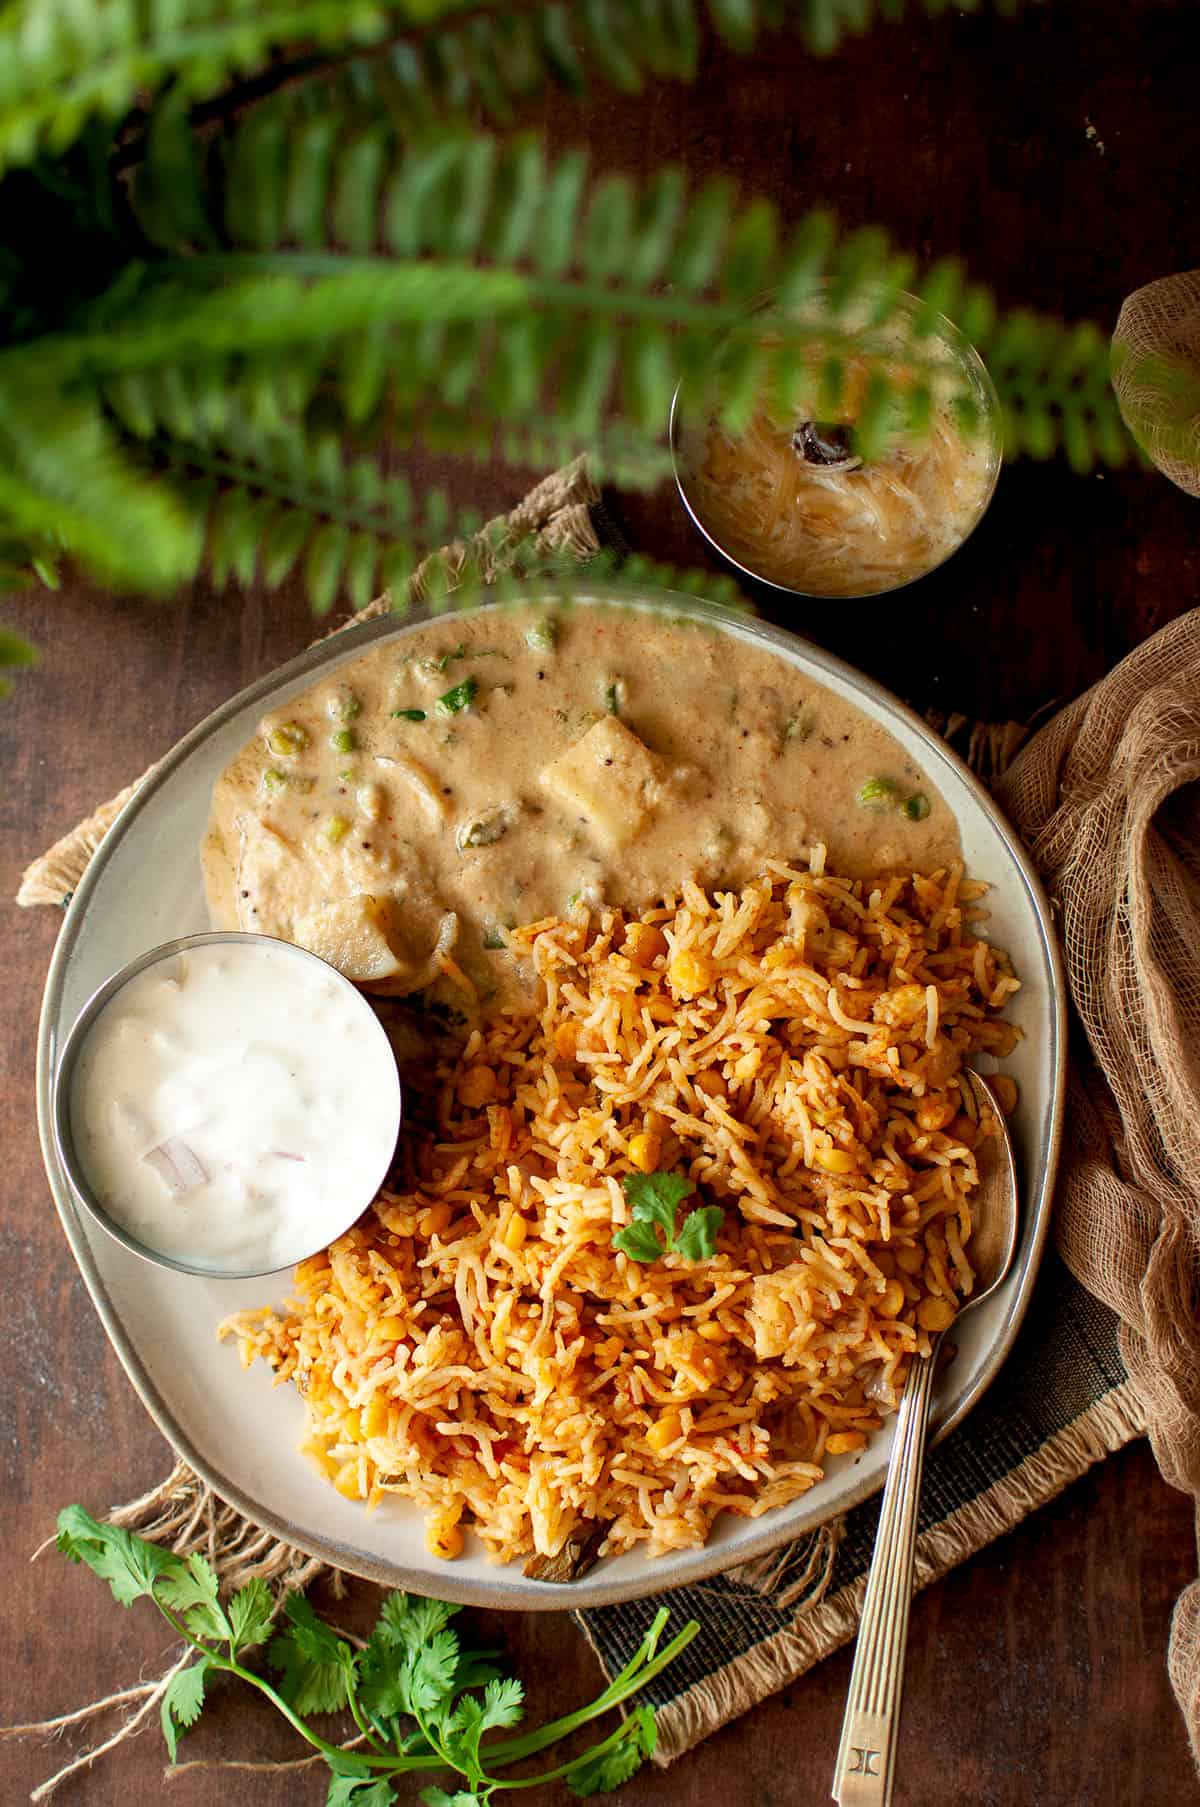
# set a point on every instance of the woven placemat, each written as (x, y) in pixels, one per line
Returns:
(1061, 1402)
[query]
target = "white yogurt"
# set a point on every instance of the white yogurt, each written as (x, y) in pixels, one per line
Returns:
(235, 1106)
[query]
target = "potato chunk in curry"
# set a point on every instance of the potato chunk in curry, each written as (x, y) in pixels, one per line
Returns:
(352, 934)
(610, 779)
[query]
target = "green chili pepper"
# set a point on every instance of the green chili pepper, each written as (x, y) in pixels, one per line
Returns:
(916, 807)
(408, 715)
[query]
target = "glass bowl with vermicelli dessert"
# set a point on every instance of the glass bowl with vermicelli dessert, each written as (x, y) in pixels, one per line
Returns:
(795, 498)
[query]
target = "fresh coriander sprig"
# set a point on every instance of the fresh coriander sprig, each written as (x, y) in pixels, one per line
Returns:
(420, 1702)
(654, 1199)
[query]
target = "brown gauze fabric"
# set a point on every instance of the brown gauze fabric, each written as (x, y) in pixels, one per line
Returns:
(1107, 797)
(1156, 374)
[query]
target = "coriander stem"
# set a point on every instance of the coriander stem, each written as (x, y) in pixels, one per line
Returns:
(362, 1723)
(233, 1667)
(564, 1769)
(641, 1669)
(438, 1748)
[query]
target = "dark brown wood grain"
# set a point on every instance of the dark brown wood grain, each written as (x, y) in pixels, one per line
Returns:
(1037, 1671)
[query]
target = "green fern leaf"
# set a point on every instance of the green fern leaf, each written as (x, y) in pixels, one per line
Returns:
(323, 565)
(894, 277)
(255, 181)
(587, 375)
(362, 564)
(283, 542)
(557, 44)
(364, 366)
(609, 46)
(703, 235)
(743, 371)
(176, 403)
(438, 516)
(557, 231)
(976, 318)
(648, 377)
(516, 200)
(395, 569)
(412, 204)
(132, 400)
(736, 21)
(470, 198)
(356, 191)
(168, 189)
(608, 229)
(66, 480)
(941, 293)
(231, 547)
(307, 183)
(520, 354)
(751, 257)
(1077, 444)
(657, 223)
(875, 417)
(861, 259)
(806, 259)
(462, 356)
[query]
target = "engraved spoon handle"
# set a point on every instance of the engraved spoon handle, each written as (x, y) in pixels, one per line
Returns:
(866, 1759)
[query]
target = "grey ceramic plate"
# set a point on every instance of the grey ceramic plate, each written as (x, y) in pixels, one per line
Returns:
(144, 887)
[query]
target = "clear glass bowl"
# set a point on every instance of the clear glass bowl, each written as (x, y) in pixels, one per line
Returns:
(844, 529)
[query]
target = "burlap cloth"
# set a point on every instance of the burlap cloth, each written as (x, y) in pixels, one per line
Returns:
(1156, 374)
(1105, 798)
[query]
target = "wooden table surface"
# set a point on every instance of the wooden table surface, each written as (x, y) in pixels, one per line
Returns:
(1059, 157)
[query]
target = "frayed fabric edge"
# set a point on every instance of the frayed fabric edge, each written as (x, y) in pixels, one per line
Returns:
(815, 1633)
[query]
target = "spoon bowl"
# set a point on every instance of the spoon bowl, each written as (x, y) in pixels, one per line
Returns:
(995, 1218)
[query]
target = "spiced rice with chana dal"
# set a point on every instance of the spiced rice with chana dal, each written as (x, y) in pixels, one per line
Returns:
(477, 1344)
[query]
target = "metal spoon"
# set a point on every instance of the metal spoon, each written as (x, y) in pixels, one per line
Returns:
(866, 1759)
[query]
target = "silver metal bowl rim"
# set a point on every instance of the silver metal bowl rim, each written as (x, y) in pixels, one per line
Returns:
(972, 356)
(591, 1590)
(64, 1073)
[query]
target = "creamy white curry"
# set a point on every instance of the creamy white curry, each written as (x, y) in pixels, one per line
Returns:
(489, 770)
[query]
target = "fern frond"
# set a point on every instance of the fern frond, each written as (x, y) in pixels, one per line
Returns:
(583, 318)
(495, 60)
(1057, 393)
(296, 505)
(66, 482)
(66, 62)
(195, 405)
